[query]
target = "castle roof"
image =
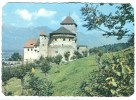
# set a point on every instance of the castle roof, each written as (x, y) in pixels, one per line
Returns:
(68, 20)
(30, 43)
(42, 33)
(62, 30)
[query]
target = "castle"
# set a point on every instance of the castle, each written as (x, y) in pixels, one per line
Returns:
(60, 41)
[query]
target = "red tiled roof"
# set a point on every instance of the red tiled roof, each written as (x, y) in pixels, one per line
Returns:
(30, 43)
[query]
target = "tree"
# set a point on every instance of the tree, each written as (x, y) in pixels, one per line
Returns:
(67, 54)
(78, 54)
(45, 66)
(15, 57)
(115, 77)
(39, 87)
(114, 21)
(20, 73)
(85, 53)
(6, 75)
(58, 59)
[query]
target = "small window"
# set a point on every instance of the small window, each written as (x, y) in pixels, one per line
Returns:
(56, 51)
(31, 49)
(42, 44)
(69, 39)
(63, 39)
(28, 49)
(55, 39)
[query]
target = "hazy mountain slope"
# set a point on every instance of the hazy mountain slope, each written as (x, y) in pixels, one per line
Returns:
(14, 37)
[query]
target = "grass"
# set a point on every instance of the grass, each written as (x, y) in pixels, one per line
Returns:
(66, 81)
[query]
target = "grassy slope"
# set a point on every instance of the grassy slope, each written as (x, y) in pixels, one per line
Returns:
(66, 82)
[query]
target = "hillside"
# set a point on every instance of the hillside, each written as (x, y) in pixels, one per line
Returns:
(71, 75)
(66, 82)
(18, 35)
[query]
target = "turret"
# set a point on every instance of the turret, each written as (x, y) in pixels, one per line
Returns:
(69, 24)
(43, 48)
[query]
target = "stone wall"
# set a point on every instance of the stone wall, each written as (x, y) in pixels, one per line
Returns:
(56, 50)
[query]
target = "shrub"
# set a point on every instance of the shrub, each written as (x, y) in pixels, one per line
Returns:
(115, 77)
(39, 87)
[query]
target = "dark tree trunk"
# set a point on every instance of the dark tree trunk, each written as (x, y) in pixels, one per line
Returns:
(5, 89)
(23, 88)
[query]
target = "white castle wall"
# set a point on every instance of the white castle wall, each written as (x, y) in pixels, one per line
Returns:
(60, 46)
(61, 41)
(32, 54)
(83, 48)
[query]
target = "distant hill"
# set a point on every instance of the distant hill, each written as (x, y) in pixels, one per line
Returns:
(111, 47)
(13, 37)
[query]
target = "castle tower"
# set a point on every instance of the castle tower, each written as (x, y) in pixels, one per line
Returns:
(43, 46)
(69, 24)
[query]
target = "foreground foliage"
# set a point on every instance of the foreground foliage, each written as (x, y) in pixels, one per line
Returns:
(39, 87)
(114, 78)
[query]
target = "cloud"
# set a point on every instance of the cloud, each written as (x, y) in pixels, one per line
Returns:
(45, 13)
(28, 16)
(24, 14)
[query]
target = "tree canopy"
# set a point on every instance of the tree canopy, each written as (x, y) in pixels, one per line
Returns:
(114, 23)
(15, 57)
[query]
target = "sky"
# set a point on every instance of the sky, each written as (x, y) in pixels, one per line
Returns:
(50, 15)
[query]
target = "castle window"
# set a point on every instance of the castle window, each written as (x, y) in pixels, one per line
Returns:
(69, 39)
(31, 49)
(55, 39)
(63, 39)
(28, 49)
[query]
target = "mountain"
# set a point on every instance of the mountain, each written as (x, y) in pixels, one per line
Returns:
(13, 37)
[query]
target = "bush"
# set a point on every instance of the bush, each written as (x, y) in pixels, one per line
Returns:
(78, 54)
(39, 87)
(58, 59)
(66, 55)
(115, 77)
